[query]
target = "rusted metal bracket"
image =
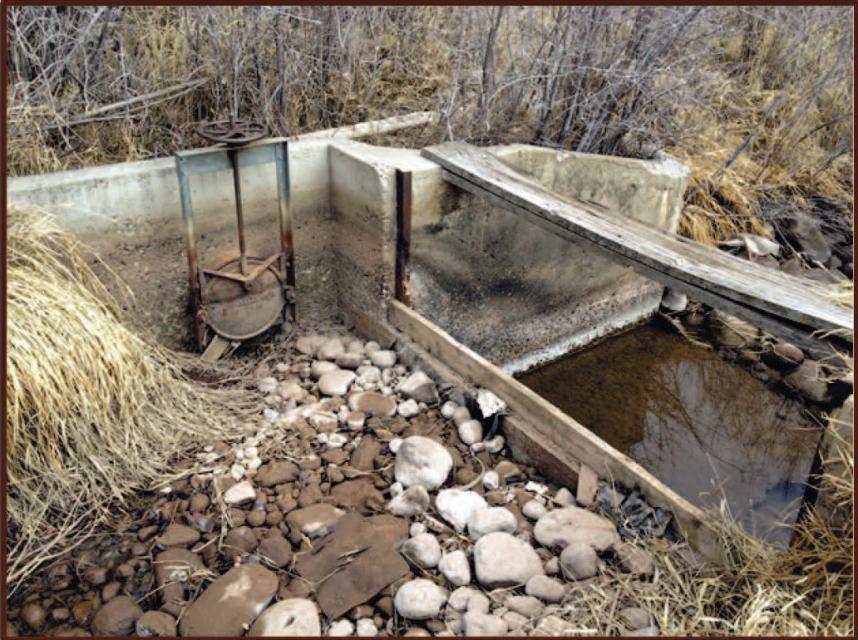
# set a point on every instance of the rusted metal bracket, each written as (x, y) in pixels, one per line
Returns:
(403, 234)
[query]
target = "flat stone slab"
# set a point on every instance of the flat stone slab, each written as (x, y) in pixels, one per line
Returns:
(355, 561)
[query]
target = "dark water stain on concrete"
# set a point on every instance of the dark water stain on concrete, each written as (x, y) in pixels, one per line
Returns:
(705, 427)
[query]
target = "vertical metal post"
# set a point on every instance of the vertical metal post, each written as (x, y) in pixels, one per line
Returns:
(194, 275)
(281, 158)
(403, 234)
(232, 154)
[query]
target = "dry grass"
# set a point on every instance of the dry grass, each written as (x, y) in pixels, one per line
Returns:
(807, 590)
(94, 410)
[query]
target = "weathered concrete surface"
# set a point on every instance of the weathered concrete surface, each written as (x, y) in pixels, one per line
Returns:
(130, 215)
(520, 295)
(515, 293)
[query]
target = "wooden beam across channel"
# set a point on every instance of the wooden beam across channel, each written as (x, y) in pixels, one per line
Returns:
(797, 309)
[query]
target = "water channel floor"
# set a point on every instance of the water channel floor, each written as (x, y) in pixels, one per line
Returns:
(705, 427)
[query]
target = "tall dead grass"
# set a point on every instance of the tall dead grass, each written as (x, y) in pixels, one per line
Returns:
(94, 410)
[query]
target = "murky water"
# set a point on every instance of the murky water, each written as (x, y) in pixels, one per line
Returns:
(705, 427)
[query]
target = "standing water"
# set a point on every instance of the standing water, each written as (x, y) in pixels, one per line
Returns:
(706, 428)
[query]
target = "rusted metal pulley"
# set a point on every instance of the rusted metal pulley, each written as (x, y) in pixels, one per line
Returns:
(233, 132)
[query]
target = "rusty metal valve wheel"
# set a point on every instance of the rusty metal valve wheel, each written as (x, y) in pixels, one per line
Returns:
(233, 132)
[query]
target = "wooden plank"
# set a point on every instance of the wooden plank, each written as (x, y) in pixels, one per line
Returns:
(657, 254)
(549, 425)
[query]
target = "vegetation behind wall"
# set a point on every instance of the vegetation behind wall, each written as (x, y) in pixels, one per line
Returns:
(757, 101)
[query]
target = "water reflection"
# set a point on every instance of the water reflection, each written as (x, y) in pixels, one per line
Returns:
(707, 428)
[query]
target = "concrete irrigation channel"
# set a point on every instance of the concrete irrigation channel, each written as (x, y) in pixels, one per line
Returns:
(423, 488)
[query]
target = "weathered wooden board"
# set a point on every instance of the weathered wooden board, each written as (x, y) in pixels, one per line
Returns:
(751, 291)
(552, 433)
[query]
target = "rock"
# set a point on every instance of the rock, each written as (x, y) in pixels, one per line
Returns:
(321, 367)
(341, 628)
(231, 602)
(455, 567)
(292, 391)
(674, 300)
(493, 445)
(240, 540)
(579, 561)
(423, 461)
(366, 628)
(564, 497)
(363, 456)
(419, 599)
(634, 618)
(278, 472)
(448, 409)
(330, 349)
(423, 550)
(394, 445)
(336, 440)
(277, 549)
(783, 355)
(478, 624)
(355, 420)
(178, 535)
(349, 360)
(336, 383)
(554, 626)
(416, 529)
(508, 471)
(156, 623)
(561, 527)
(460, 415)
(516, 622)
(411, 502)
(408, 409)
(545, 588)
(34, 615)
(552, 566)
(502, 560)
(461, 598)
(806, 232)
(470, 431)
(176, 565)
(491, 480)
(117, 617)
(308, 344)
(534, 509)
(383, 359)
(314, 521)
(419, 387)
(239, 493)
(634, 559)
(730, 331)
(371, 403)
(489, 404)
(808, 380)
(291, 617)
(527, 606)
(457, 506)
(485, 521)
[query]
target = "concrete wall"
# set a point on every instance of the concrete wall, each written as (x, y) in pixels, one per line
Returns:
(520, 295)
(510, 290)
